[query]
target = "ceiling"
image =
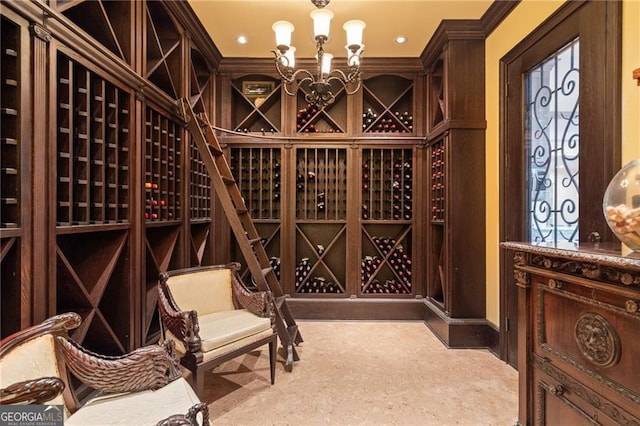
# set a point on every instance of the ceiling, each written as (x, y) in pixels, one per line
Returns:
(416, 20)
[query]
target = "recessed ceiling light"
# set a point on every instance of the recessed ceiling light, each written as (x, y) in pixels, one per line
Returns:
(401, 39)
(242, 39)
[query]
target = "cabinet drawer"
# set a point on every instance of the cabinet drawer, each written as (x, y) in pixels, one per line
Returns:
(561, 399)
(591, 334)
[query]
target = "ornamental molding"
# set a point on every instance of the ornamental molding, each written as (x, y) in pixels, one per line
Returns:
(592, 271)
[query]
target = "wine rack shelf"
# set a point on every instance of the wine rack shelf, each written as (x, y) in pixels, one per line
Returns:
(387, 184)
(258, 173)
(109, 22)
(93, 147)
(321, 178)
(320, 252)
(330, 119)
(387, 105)
(436, 93)
(162, 172)
(386, 267)
(164, 42)
(10, 77)
(200, 187)
(438, 186)
(256, 105)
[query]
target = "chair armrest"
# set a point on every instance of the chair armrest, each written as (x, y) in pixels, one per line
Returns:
(35, 391)
(183, 324)
(189, 419)
(149, 367)
(259, 303)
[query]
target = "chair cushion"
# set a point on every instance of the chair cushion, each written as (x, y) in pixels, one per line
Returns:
(205, 291)
(33, 359)
(139, 408)
(221, 328)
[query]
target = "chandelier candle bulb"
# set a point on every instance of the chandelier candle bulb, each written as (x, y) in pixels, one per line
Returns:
(283, 30)
(321, 22)
(354, 29)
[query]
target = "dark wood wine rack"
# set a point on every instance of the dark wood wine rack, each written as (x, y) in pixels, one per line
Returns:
(108, 21)
(163, 153)
(93, 147)
(387, 105)
(330, 119)
(164, 41)
(10, 154)
(320, 252)
(256, 113)
(258, 173)
(321, 177)
(10, 76)
(386, 267)
(387, 184)
(200, 187)
(438, 185)
(436, 94)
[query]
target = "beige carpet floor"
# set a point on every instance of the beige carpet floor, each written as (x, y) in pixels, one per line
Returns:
(366, 373)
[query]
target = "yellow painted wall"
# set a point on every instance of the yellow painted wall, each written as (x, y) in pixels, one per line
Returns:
(522, 20)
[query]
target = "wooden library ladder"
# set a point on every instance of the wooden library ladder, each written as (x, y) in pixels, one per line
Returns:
(249, 241)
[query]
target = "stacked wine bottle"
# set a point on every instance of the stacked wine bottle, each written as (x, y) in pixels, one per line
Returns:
(437, 182)
(377, 192)
(319, 284)
(257, 171)
(396, 123)
(397, 259)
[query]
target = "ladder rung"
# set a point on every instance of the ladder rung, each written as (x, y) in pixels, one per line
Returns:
(217, 152)
(228, 181)
(266, 271)
(242, 211)
(255, 240)
(279, 301)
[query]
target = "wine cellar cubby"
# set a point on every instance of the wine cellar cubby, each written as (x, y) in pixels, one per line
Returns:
(387, 105)
(93, 147)
(321, 177)
(10, 174)
(10, 75)
(163, 152)
(330, 119)
(387, 184)
(163, 48)
(256, 104)
(258, 172)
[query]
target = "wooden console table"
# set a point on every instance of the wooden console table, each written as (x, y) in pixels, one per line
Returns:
(578, 334)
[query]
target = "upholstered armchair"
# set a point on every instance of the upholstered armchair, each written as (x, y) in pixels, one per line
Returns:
(212, 317)
(143, 387)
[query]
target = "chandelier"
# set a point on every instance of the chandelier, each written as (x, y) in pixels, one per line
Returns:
(320, 82)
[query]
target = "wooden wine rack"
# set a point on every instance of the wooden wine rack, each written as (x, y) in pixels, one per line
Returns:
(162, 172)
(10, 154)
(256, 113)
(437, 180)
(321, 177)
(436, 94)
(258, 173)
(164, 41)
(387, 184)
(9, 109)
(387, 105)
(200, 187)
(93, 147)
(330, 119)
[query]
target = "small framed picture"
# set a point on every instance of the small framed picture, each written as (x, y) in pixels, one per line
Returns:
(257, 89)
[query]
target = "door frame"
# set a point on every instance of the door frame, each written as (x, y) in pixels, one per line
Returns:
(598, 24)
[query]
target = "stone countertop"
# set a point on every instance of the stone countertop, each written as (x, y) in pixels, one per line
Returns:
(609, 254)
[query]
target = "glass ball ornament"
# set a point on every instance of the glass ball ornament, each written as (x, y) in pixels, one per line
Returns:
(621, 205)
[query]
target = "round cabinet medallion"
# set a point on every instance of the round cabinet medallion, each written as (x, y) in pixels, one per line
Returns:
(597, 340)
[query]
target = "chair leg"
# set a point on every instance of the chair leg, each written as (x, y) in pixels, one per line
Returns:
(273, 347)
